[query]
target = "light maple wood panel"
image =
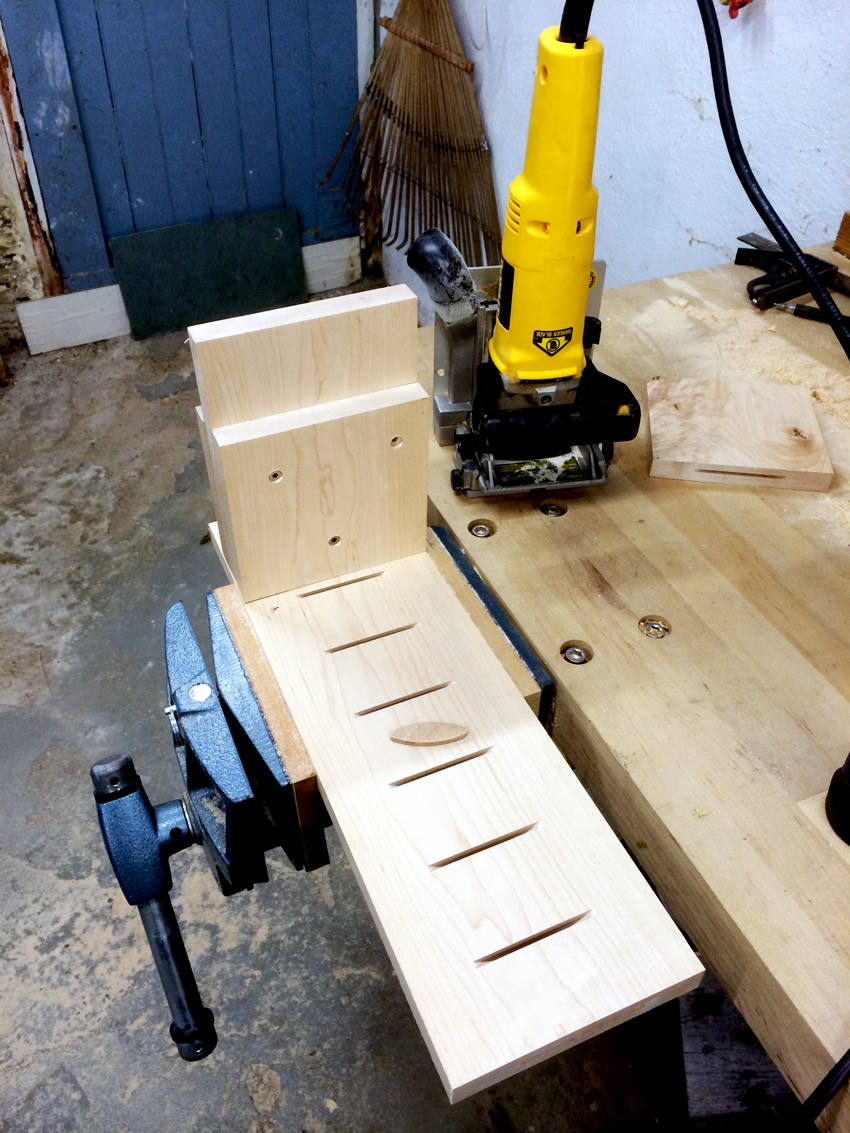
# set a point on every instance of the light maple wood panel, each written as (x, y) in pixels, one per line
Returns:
(702, 747)
(221, 530)
(517, 923)
(736, 433)
(324, 490)
(273, 362)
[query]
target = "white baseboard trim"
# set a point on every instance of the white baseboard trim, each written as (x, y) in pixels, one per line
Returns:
(336, 263)
(90, 316)
(73, 319)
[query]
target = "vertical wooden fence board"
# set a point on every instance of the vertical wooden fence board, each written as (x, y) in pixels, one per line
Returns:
(276, 361)
(125, 49)
(215, 82)
(252, 61)
(81, 31)
(173, 79)
(324, 490)
(36, 47)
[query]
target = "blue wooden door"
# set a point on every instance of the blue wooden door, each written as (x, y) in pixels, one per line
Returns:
(148, 113)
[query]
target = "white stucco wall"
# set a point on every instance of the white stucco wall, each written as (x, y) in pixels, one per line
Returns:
(669, 199)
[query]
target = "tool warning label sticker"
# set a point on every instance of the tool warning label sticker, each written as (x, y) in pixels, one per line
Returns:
(551, 341)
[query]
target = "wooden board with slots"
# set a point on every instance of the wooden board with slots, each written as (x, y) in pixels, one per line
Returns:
(517, 923)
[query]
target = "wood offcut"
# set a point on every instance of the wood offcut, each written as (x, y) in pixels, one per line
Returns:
(751, 433)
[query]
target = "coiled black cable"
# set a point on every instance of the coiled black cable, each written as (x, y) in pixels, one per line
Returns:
(759, 201)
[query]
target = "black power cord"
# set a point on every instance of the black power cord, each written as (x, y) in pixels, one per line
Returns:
(574, 22)
(759, 201)
(574, 29)
(822, 1094)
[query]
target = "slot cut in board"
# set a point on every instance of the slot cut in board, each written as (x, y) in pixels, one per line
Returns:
(756, 434)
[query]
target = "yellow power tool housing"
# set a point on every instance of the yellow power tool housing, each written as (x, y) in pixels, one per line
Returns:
(550, 221)
(538, 414)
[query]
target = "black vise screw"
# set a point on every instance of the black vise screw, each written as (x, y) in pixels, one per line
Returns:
(140, 839)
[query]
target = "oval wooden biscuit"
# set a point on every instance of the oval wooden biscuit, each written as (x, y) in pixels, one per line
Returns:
(429, 734)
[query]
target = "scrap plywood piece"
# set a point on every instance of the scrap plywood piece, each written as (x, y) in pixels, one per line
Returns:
(325, 490)
(757, 434)
(842, 240)
(277, 361)
(333, 263)
(517, 923)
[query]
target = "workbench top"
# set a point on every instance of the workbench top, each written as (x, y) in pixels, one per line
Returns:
(710, 750)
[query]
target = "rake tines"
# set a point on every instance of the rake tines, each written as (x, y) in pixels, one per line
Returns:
(421, 157)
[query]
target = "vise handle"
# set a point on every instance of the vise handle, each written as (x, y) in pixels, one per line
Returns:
(139, 839)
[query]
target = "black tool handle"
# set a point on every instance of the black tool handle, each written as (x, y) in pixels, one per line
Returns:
(139, 840)
(442, 269)
(192, 1028)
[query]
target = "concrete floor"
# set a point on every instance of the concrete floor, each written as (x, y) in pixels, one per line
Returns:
(103, 508)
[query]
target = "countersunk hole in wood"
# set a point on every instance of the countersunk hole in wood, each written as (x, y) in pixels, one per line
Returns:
(577, 652)
(337, 585)
(334, 539)
(276, 475)
(374, 637)
(482, 528)
(402, 699)
(484, 846)
(653, 625)
(397, 442)
(440, 767)
(553, 508)
(532, 939)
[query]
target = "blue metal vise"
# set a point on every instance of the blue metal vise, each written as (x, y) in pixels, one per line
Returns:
(239, 803)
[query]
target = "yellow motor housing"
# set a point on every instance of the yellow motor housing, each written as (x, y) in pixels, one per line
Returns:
(550, 221)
